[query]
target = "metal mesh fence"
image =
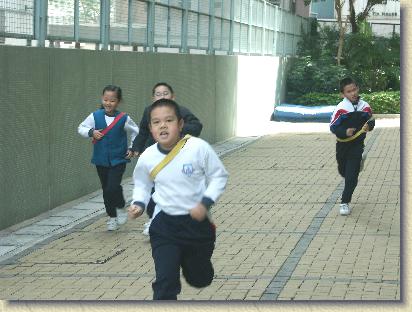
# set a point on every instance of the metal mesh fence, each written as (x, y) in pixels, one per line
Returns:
(16, 18)
(89, 20)
(229, 26)
(61, 19)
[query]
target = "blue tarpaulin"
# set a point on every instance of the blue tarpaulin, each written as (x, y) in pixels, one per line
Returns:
(301, 113)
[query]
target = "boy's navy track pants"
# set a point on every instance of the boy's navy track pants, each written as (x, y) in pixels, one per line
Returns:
(349, 156)
(181, 242)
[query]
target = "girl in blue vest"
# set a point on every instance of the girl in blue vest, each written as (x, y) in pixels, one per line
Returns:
(109, 129)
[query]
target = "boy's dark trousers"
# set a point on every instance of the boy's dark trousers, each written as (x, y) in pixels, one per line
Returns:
(151, 206)
(349, 156)
(180, 241)
(110, 178)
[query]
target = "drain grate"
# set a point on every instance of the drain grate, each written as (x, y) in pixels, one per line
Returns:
(98, 261)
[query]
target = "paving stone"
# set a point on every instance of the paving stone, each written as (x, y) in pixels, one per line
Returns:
(279, 234)
(89, 205)
(60, 221)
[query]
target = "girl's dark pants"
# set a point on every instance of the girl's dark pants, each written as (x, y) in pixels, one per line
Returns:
(349, 156)
(110, 179)
(180, 241)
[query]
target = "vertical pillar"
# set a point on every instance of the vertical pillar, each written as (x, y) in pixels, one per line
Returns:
(104, 23)
(168, 25)
(284, 18)
(150, 25)
(76, 22)
(211, 49)
(129, 22)
(249, 32)
(185, 25)
(2, 25)
(40, 22)
(232, 25)
(263, 47)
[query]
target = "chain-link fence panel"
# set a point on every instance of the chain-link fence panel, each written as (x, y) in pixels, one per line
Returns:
(16, 19)
(228, 26)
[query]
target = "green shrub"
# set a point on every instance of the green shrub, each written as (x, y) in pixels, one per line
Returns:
(307, 75)
(386, 102)
(316, 98)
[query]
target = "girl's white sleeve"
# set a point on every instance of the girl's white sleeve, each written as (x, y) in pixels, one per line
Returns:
(86, 125)
(132, 129)
(215, 172)
(142, 183)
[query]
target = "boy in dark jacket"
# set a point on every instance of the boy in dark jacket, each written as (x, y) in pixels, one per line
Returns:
(350, 121)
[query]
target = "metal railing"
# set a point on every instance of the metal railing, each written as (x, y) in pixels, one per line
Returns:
(214, 26)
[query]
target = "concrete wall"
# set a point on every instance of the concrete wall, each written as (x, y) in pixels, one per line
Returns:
(261, 84)
(46, 93)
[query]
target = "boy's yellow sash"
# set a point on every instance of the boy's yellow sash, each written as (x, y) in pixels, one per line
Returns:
(353, 137)
(169, 157)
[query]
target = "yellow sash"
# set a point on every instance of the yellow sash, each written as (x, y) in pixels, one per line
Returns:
(169, 157)
(353, 137)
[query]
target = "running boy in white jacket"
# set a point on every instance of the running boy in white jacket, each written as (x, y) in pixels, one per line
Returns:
(181, 235)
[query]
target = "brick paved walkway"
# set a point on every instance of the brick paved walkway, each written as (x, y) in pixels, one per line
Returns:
(280, 236)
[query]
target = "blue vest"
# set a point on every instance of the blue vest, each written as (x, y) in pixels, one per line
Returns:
(112, 148)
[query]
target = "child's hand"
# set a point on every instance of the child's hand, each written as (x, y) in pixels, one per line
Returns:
(136, 154)
(199, 213)
(350, 131)
(134, 211)
(365, 127)
(129, 154)
(97, 135)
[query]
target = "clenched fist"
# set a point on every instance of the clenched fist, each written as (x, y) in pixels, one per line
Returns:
(134, 211)
(199, 213)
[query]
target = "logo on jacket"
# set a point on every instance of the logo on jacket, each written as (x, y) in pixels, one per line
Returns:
(187, 169)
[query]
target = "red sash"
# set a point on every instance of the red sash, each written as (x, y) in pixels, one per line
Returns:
(109, 127)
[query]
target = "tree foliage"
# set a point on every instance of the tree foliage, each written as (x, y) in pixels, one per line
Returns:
(374, 62)
(356, 18)
(89, 9)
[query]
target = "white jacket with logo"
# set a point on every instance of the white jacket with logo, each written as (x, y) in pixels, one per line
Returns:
(195, 175)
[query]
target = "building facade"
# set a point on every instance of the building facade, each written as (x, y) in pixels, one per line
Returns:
(384, 18)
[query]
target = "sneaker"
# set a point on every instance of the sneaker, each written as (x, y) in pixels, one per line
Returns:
(121, 216)
(112, 224)
(344, 210)
(146, 227)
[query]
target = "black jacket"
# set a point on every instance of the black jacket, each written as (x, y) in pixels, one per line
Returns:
(144, 139)
(353, 120)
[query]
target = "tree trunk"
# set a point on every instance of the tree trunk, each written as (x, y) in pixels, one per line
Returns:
(340, 46)
(352, 17)
(338, 9)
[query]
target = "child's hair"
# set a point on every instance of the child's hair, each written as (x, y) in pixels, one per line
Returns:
(162, 84)
(167, 103)
(346, 82)
(115, 89)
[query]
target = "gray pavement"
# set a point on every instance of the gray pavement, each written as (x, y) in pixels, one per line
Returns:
(26, 236)
(279, 233)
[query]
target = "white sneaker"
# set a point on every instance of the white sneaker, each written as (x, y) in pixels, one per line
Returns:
(344, 210)
(146, 227)
(112, 224)
(121, 216)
